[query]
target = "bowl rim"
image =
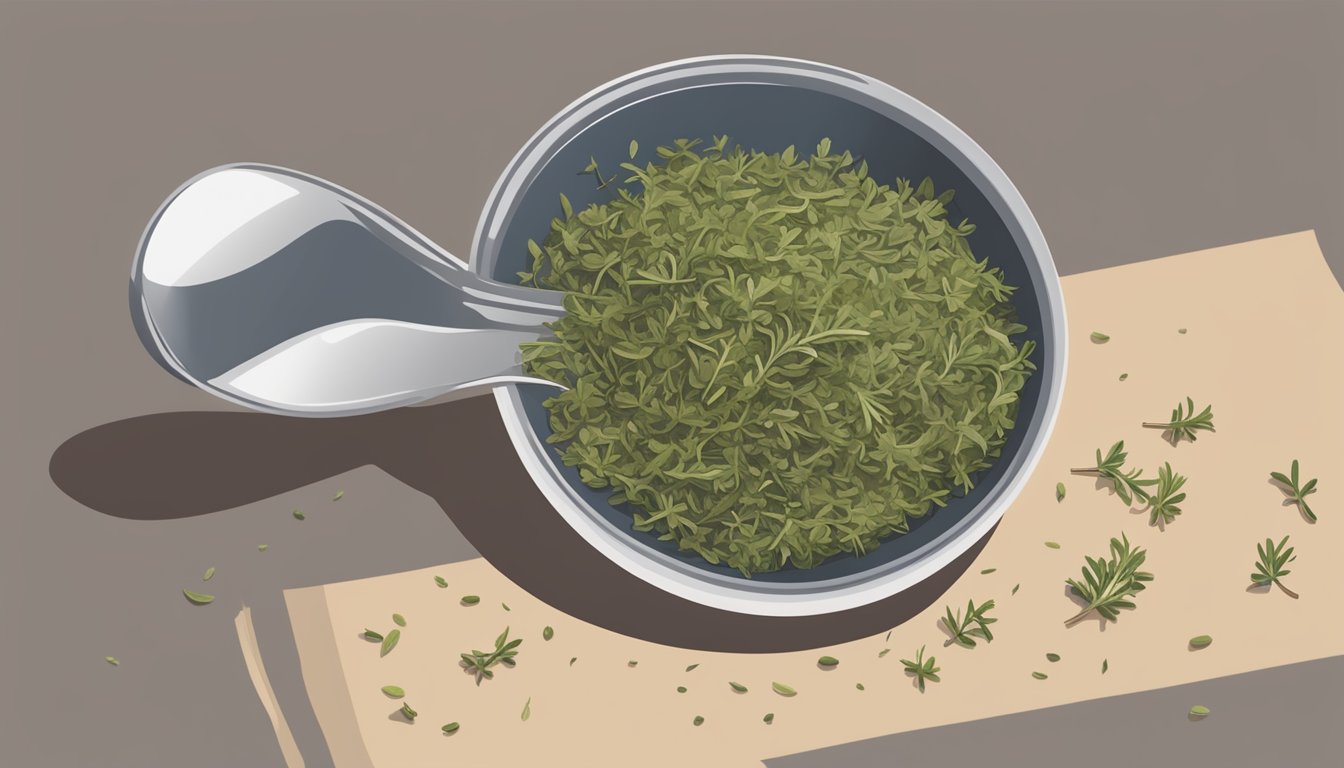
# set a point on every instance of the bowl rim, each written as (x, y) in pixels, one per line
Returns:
(736, 594)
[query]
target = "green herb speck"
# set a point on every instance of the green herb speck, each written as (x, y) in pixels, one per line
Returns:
(470, 599)
(740, 688)
(1100, 338)
(547, 633)
(1039, 675)
(390, 642)
(198, 598)
(443, 584)
(395, 691)
(298, 515)
(698, 720)
(209, 574)
(1052, 544)
(1052, 657)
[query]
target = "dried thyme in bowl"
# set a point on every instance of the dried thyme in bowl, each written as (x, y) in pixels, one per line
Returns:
(775, 360)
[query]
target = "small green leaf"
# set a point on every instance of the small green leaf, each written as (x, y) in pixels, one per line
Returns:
(1100, 338)
(198, 598)
(769, 718)
(740, 688)
(1052, 657)
(1124, 376)
(547, 633)
(1015, 586)
(1052, 544)
(209, 574)
(339, 495)
(634, 148)
(1199, 710)
(698, 720)
(410, 714)
(298, 515)
(883, 652)
(1200, 641)
(783, 690)
(691, 667)
(451, 727)
(369, 634)
(527, 709)
(1039, 675)
(1180, 330)
(112, 660)
(828, 661)
(505, 606)
(443, 584)
(859, 686)
(681, 689)
(389, 642)
(470, 599)
(572, 660)
(988, 571)
(263, 547)
(1060, 490)
(632, 663)
(1105, 665)
(395, 691)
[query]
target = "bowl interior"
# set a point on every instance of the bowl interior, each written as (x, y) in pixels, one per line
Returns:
(769, 118)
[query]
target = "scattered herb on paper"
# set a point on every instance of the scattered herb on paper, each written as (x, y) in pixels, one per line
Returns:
(479, 663)
(691, 667)
(1105, 665)
(1060, 491)
(1297, 493)
(681, 689)
(198, 598)
(1052, 657)
(263, 547)
(828, 662)
(339, 495)
(1052, 544)
(1199, 711)
(527, 709)
(1270, 568)
(738, 687)
(547, 633)
(470, 599)
(751, 295)
(442, 582)
(1015, 586)
(505, 606)
(1201, 641)
(883, 652)
(1127, 485)
(859, 686)
(389, 642)
(209, 574)
(1164, 500)
(410, 714)
(769, 718)
(395, 691)
(922, 669)
(632, 663)
(451, 727)
(1124, 376)
(1099, 338)
(698, 720)
(1185, 424)
(369, 634)
(573, 659)
(1180, 330)
(398, 619)
(1108, 584)
(1039, 675)
(976, 623)
(987, 571)
(298, 515)
(783, 690)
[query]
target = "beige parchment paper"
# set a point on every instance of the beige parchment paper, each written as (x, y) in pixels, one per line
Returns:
(1262, 345)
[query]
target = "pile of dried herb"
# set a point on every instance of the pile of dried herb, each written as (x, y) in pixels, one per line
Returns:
(775, 360)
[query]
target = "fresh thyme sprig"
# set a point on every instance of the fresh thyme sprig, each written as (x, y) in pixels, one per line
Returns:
(1164, 500)
(1185, 424)
(975, 624)
(1127, 485)
(1270, 569)
(1108, 584)
(1297, 493)
(479, 663)
(923, 669)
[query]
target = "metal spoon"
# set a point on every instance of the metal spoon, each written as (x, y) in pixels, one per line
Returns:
(286, 293)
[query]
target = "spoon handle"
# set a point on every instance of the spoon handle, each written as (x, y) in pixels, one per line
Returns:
(286, 293)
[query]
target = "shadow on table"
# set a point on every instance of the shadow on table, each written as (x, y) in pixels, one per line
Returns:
(174, 465)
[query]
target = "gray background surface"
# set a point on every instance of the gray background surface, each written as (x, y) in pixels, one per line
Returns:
(1133, 130)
